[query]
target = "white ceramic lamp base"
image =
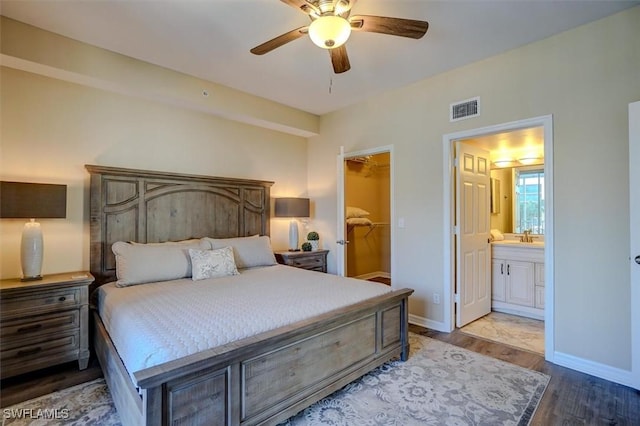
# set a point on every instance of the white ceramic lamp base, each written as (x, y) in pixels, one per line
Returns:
(293, 235)
(31, 251)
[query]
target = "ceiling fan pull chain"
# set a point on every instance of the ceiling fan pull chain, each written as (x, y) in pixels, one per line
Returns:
(330, 84)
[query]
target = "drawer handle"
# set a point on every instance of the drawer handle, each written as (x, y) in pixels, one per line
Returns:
(28, 352)
(29, 328)
(62, 298)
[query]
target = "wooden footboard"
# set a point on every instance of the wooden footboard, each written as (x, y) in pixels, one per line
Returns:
(264, 379)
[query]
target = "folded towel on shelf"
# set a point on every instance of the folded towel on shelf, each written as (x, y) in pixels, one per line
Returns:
(496, 235)
(359, 221)
(356, 212)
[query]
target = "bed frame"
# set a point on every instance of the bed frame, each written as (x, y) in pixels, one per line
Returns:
(260, 380)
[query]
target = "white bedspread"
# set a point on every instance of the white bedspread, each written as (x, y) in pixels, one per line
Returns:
(158, 322)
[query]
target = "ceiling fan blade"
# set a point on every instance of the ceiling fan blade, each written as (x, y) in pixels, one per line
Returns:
(340, 59)
(283, 39)
(302, 5)
(386, 25)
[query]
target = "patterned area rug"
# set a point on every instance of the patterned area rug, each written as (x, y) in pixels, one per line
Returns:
(439, 384)
(86, 404)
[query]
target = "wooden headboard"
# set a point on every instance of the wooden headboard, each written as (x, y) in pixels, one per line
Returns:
(151, 207)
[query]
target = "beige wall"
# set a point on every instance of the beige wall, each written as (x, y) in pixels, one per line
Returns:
(52, 128)
(586, 78)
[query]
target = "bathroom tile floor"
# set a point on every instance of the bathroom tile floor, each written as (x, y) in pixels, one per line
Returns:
(512, 330)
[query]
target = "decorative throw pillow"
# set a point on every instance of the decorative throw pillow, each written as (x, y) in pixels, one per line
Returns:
(248, 252)
(143, 263)
(212, 263)
(356, 212)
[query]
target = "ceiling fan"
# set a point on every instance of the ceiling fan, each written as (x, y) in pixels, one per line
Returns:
(331, 25)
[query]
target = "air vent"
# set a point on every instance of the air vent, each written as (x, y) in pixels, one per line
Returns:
(464, 109)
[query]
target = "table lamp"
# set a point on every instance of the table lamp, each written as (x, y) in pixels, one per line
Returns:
(293, 208)
(19, 200)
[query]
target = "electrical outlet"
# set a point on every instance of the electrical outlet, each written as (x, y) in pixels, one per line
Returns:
(436, 298)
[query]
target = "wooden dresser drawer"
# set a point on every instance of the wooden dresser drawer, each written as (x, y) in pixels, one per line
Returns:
(44, 322)
(308, 262)
(29, 353)
(52, 300)
(39, 325)
(311, 260)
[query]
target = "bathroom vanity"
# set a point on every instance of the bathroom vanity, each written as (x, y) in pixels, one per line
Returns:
(517, 278)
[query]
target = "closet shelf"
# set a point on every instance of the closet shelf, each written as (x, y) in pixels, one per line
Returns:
(373, 226)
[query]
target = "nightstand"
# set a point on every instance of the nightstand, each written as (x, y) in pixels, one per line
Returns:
(312, 260)
(44, 322)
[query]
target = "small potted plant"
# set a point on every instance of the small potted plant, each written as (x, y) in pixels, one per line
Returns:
(306, 246)
(314, 239)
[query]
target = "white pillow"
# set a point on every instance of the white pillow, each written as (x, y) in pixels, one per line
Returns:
(247, 251)
(143, 263)
(168, 243)
(212, 263)
(356, 212)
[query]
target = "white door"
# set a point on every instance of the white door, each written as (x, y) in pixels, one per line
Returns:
(634, 214)
(473, 254)
(498, 279)
(520, 284)
(341, 258)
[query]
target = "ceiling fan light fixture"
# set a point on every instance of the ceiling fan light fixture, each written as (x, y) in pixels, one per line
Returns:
(329, 32)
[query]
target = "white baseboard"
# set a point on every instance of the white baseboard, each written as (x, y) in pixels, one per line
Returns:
(426, 322)
(522, 311)
(613, 374)
(616, 375)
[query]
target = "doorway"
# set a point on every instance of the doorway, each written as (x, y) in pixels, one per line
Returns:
(365, 211)
(452, 294)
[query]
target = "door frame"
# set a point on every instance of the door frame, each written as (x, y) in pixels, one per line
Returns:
(340, 231)
(546, 122)
(634, 232)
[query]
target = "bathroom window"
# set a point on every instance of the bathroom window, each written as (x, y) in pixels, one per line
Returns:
(529, 205)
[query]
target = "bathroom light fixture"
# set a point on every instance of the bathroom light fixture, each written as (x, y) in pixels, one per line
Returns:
(527, 161)
(19, 200)
(503, 163)
(293, 208)
(330, 31)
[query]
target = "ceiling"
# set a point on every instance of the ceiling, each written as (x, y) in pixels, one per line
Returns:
(211, 40)
(507, 148)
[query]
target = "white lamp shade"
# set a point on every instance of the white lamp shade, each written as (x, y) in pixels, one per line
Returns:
(329, 32)
(31, 250)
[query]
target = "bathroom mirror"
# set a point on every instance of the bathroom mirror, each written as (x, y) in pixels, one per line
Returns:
(519, 206)
(495, 195)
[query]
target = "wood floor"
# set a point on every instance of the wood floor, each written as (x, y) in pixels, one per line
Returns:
(571, 399)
